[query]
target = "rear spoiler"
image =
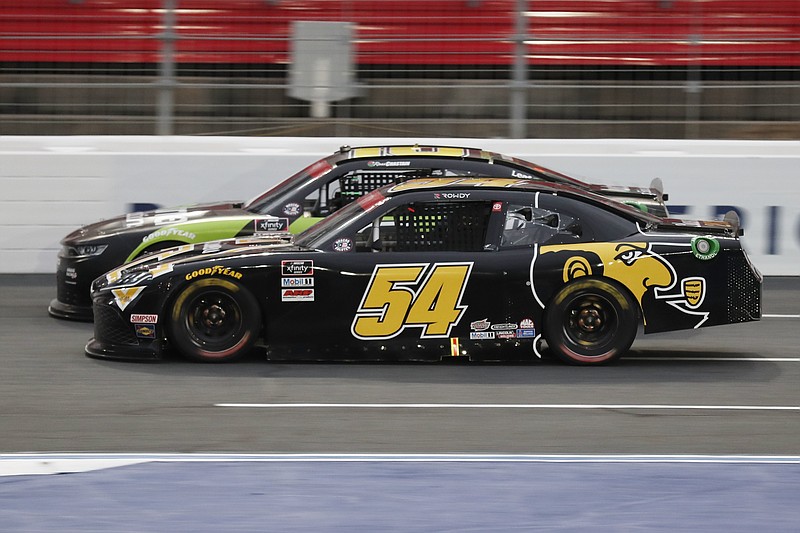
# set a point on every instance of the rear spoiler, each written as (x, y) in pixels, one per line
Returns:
(729, 225)
(732, 218)
(658, 186)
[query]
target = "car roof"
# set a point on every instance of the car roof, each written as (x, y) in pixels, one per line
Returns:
(469, 182)
(514, 184)
(416, 150)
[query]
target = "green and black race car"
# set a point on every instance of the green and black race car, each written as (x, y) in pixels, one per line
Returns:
(288, 208)
(432, 268)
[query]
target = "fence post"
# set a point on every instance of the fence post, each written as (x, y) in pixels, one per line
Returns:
(166, 73)
(519, 82)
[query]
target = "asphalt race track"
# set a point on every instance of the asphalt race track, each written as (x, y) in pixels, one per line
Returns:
(730, 391)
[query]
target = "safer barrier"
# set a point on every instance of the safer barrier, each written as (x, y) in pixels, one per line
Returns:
(52, 185)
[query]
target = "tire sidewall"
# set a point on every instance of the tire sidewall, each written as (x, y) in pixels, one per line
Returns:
(246, 329)
(625, 322)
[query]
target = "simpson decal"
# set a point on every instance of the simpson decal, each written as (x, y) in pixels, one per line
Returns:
(144, 319)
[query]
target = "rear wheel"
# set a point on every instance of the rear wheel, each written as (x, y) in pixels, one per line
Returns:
(590, 321)
(214, 320)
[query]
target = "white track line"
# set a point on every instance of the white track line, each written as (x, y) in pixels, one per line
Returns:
(725, 359)
(648, 407)
(780, 316)
(14, 464)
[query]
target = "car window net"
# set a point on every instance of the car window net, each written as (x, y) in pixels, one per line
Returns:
(445, 226)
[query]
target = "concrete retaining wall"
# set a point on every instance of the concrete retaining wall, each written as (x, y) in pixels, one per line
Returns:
(51, 185)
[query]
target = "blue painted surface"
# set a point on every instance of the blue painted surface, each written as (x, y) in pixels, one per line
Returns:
(407, 496)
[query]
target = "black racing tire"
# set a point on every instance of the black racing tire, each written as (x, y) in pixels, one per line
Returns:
(214, 320)
(591, 321)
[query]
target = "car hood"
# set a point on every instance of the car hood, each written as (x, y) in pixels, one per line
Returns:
(145, 222)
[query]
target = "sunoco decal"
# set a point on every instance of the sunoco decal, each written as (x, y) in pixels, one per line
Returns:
(144, 331)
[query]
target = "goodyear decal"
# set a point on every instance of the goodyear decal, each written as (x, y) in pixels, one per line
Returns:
(124, 297)
(171, 233)
(196, 232)
(424, 295)
(216, 270)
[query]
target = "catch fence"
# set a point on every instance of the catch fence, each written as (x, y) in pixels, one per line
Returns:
(430, 68)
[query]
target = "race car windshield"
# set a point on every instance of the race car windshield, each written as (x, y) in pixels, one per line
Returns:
(260, 203)
(552, 175)
(339, 220)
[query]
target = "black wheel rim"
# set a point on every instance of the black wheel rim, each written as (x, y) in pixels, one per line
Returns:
(214, 320)
(590, 322)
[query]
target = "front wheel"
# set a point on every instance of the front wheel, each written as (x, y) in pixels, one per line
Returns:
(590, 321)
(214, 321)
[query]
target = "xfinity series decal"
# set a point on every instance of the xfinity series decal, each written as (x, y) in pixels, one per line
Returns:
(267, 225)
(297, 268)
(412, 295)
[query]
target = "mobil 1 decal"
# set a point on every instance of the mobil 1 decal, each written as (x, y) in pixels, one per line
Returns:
(639, 266)
(426, 296)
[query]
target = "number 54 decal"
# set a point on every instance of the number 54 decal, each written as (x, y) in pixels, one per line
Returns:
(416, 295)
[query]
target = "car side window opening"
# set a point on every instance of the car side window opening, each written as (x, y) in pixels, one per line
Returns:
(336, 194)
(526, 225)
(428, 226)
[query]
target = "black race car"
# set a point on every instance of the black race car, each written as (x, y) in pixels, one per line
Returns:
(433, 268)
(292, 205)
